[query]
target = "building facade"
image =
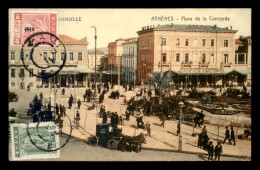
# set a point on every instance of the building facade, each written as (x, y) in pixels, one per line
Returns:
(194, 54)
(91, 59)
(129, 60)
(115, 50)
(74, 72)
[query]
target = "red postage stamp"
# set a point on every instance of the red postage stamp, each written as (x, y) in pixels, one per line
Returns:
(25, 24)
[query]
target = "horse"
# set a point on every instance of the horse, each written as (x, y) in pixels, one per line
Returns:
(133, 140)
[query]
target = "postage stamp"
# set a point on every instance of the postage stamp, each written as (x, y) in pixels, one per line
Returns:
(24, 24)
(34, 141)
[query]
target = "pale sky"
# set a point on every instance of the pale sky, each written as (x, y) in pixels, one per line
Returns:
(113, 24)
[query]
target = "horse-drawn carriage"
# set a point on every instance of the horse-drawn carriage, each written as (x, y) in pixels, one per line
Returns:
(114, 139)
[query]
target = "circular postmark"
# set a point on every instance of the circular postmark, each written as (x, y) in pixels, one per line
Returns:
(48, 149)
(32, 43)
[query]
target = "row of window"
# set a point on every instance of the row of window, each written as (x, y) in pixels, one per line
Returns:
(21, 73)
(71, 55)
(129, 50)
(187, 58)
(145, 43)
(21, 84)
(129, 63)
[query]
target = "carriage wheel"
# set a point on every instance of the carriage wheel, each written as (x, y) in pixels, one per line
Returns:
(112, 144)
(93, 141)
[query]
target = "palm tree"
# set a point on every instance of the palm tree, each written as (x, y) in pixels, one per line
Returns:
(161, 81)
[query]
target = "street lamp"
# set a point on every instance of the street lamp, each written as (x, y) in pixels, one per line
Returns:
(95, 59)
(180, 137)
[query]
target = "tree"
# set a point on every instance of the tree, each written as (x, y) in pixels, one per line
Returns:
(161, 81)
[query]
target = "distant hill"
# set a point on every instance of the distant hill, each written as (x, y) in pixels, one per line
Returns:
(104, 49)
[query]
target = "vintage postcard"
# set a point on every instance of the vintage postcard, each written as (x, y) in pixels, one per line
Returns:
(129, 84)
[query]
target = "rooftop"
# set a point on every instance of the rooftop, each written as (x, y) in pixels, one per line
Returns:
(186, 27)
(71, 41)
(237, 41)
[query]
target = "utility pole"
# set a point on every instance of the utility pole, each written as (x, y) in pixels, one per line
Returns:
(161, 53)
(95, 60)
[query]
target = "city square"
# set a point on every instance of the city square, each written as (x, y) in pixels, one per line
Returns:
(173, 89)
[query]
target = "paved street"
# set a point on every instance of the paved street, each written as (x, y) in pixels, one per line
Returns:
(161, 138)
(84, 152)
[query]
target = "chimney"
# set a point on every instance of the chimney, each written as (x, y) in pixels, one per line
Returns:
(231, 27)
(171, 25)
(147, 26)
(142, 28)
(215, 26)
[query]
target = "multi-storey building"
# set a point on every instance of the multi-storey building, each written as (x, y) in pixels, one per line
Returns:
(91, 59)
(73, 73)
(129, 60)
(195, 54)
(115, 51)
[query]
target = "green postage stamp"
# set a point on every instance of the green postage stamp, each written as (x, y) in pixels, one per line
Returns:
(34, 141)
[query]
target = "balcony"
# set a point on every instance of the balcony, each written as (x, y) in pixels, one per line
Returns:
(225, 64)
(186, 64)
(204, 64)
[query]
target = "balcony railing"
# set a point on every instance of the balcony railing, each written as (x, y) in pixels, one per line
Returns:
(204, 64)
(225, 64)
(187, 64)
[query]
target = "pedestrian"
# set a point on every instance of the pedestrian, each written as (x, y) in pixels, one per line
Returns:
(204, 130)
(28, 87)
(49, 106)
(77, 119)
(148, 130)
(101, 111)
(226, 134)
(64, 110)
(210, 151)
(57, 109)
(79, 103)
(232, 136)
(63, 91)
(70, 101)
(163, 118)
(41, 96)
(104, 121)
(218, 150)
(127, 114)
(99, 89)
(61, 110)
(12, 113)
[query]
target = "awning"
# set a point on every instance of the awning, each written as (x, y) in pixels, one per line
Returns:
(177, 71)
(228, 70)
(243, 71)
(114, 72)
(240, 71)
(70, 70)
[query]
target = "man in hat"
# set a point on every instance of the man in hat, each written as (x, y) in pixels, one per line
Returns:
(232, 136)
(218, 150)
(226, 134)
(210, 151)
